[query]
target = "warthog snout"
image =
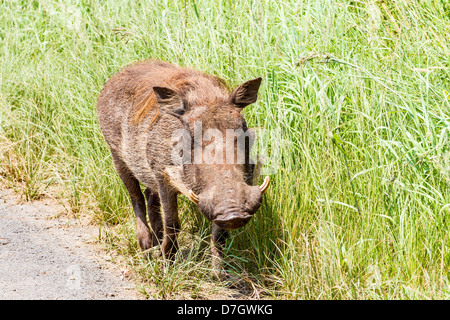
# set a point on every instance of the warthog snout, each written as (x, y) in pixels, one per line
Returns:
(236, 210)
(233, 220)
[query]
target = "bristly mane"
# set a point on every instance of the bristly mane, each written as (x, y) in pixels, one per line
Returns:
(196, 88)
(146, 101)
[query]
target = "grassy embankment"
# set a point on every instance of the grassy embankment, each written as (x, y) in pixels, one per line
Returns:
(360, 205)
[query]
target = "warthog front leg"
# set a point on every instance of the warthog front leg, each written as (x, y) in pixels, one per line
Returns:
(218, 238)
(168, 198)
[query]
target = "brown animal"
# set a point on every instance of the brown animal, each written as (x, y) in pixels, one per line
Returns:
(140, 109)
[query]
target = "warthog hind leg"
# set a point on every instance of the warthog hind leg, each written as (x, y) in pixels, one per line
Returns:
(168, 198)
(154, 216)
(137, 201)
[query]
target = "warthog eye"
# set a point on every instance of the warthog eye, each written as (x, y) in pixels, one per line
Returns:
(179, 111)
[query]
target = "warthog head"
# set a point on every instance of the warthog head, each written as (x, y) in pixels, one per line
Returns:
(214, 148)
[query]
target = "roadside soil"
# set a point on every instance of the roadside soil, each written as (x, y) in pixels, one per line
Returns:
(45, 254)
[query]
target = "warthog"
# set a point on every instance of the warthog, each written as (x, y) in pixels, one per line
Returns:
(140, 109)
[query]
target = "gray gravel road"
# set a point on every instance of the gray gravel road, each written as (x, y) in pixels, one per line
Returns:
(43, 257)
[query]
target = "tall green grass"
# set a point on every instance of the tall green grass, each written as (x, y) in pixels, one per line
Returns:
(359, 208)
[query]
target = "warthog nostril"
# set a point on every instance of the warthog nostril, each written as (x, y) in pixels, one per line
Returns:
(233, 221)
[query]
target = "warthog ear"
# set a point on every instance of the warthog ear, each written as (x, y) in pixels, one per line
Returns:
(246, 93)
(169, 101)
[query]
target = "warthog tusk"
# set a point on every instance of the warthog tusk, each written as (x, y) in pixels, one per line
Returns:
(265, 184)
(193, 197)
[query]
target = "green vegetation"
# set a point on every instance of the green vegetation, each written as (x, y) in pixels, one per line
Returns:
(360, 206)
